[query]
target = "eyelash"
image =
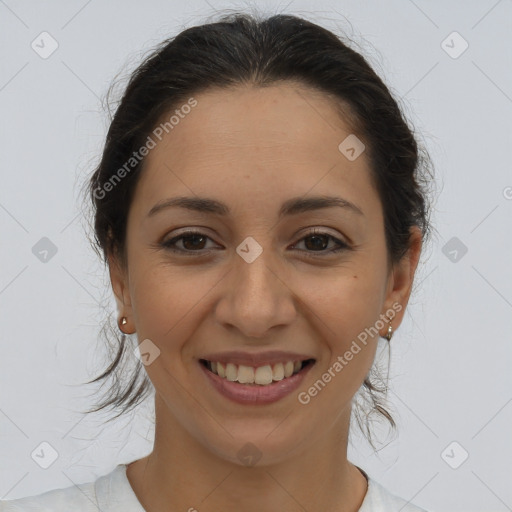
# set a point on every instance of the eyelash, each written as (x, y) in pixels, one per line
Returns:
(168, 245)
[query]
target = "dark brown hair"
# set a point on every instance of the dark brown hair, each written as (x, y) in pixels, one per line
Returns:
(246, 49)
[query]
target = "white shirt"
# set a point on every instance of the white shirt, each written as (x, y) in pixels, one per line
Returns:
(113, 493)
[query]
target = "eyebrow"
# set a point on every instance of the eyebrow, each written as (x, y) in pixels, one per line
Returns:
(292, 206)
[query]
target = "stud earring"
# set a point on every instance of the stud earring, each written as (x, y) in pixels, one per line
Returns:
(124, 321)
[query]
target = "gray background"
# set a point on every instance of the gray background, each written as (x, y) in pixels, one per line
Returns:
(450, 362)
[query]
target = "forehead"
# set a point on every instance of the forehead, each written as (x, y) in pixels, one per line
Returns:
(281, 140)
(283, 117)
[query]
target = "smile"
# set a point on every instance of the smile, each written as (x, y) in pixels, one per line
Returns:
(261, 375)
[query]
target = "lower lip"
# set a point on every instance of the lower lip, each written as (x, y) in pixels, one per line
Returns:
(254, 394)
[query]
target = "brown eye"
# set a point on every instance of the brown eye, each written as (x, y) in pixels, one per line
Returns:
(191, 242)
(318, 242)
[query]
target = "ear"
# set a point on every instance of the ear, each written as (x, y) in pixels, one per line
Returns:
(121, 289)
(401, 280)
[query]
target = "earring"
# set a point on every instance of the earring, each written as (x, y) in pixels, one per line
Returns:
(124, 321)
(389, 334)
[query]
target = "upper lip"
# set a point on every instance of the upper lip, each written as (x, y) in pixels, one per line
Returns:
(255, 359)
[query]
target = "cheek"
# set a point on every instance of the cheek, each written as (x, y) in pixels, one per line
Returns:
(164, 305)
(346, 302)
(343, 308)
(170, 303)
(163, 296)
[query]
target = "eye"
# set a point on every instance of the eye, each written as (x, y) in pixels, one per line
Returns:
(319, 242)
(191, 242)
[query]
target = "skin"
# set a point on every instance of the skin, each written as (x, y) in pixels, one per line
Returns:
(253, 149)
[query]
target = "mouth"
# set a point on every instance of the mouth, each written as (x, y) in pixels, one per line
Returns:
(264, 375)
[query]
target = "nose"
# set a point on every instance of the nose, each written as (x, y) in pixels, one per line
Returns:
(256, 297)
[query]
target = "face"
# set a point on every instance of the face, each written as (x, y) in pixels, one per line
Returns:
(255, 279)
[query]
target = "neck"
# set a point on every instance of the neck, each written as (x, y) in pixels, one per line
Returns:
(181, 473)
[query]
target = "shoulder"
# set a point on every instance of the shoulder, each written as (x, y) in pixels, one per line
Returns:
(379, 499)
(106, 493)
(80, 497)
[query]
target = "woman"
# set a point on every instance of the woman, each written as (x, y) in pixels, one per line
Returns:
(261, 206)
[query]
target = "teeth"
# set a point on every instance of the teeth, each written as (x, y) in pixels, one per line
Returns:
(245, 375)
(231, 372)
(278, 371)
(263, 375)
